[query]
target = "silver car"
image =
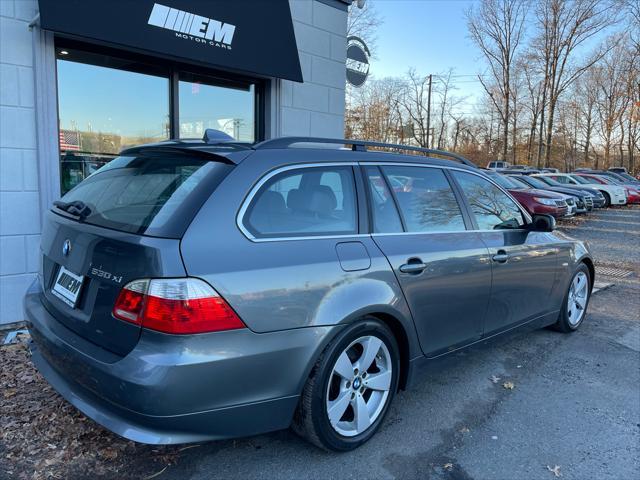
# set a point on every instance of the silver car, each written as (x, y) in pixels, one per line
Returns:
(196, 290)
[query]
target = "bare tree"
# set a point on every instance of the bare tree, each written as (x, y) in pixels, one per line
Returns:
(415, 103)
(586, 90)
(611, 99)
(533, 105)
(564, 26)
(363, 23)
(444, 87)
(497, 28)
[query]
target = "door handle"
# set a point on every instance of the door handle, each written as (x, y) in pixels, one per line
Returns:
(413, 267)
(501, 256)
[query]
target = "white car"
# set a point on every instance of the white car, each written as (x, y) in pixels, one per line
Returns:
(613, 194)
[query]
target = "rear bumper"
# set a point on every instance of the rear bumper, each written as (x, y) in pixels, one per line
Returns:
(176, 389)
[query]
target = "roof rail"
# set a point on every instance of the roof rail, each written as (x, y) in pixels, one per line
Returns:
(359, 146)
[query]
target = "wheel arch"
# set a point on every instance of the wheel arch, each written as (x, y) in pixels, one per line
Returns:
(592, 269)
(395, 321)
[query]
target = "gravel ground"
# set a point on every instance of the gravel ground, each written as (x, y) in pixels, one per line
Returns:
(573, 409)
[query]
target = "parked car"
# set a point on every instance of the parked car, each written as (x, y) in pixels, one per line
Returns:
(608, 174)
(631, 191)
(623, 178)
(632, 186)
(618, 170)
(614, 195)
(598, 199)
(583, 200)
(521, 171)
(205, 290)
(496, 164)
(549, 170)
(535, 201)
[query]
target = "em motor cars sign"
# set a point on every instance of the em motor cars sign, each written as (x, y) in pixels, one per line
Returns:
(357, 61)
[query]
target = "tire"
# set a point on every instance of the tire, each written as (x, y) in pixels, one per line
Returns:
(570, 318)
(369, 338)
(607, 200)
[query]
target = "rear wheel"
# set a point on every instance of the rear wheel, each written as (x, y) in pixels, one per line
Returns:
(350, 388)
(576, 301)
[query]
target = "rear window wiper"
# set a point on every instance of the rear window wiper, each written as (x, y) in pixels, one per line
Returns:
(77, 208)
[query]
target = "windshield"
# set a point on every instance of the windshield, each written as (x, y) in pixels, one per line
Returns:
(609, 180)
(518, 182)
(150, 194)
(501, 180)
(582, 180)
(626, 176)
(549, 181)
(535, 183)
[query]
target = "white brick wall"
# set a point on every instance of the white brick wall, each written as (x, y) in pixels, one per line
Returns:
(316, 107)
(19, 199)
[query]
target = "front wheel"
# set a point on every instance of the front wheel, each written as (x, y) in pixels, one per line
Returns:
(607, 199)
(350, 388)
(576, 301)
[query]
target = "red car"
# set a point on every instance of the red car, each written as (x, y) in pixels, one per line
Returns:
(535, 201)
(632, 191)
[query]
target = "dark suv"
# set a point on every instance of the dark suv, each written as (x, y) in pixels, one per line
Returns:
(194, 290)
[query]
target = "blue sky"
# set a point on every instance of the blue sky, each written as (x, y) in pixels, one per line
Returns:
(132, 104)
(430, 35)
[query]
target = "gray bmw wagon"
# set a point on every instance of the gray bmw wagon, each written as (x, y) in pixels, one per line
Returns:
(194, 290)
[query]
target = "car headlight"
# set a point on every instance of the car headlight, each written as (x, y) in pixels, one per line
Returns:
(545, 201)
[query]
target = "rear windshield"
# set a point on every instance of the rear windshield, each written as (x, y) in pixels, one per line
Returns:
(156, 195)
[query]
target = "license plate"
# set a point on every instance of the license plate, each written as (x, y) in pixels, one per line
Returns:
(67, 286)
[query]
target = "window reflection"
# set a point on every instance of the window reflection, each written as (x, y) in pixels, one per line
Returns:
(384, 212)
(104, 110)
(425, 199)
(311, 201)
(203, 105)
(491, 207)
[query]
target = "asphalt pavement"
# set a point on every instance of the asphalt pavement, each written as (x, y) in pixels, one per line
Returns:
(574, 409)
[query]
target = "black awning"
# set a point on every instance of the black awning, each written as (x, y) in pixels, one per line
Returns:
(247, 36)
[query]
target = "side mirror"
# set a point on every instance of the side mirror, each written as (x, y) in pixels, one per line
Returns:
(542, 223)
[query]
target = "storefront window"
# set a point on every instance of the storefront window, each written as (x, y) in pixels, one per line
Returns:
(104, 110)
(110, 100)
(204, 104)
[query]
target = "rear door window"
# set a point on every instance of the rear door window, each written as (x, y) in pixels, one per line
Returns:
(383, 209)
(155, 195)
(425, 199)
(305, 202)
(492, 208)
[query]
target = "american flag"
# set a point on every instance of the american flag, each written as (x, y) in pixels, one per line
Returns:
(69, 140)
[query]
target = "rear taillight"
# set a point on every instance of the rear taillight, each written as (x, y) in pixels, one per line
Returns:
(176, 305)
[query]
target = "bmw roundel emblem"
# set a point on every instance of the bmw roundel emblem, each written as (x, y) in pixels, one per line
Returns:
(66, 247)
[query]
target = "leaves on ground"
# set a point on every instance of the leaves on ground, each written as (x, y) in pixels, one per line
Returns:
(43, 436)
(494, 379)
(509, 385)
(555, 470)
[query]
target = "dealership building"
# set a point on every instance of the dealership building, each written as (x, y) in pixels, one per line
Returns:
(81, 80)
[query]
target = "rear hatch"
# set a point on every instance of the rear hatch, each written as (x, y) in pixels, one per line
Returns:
(122, 223)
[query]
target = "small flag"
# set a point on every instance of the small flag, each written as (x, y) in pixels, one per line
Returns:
(69, 140)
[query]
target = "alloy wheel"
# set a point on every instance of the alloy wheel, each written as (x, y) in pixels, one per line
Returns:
(577, 300)
(359, 386)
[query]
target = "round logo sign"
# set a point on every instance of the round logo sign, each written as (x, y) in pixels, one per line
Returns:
(357, 61)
